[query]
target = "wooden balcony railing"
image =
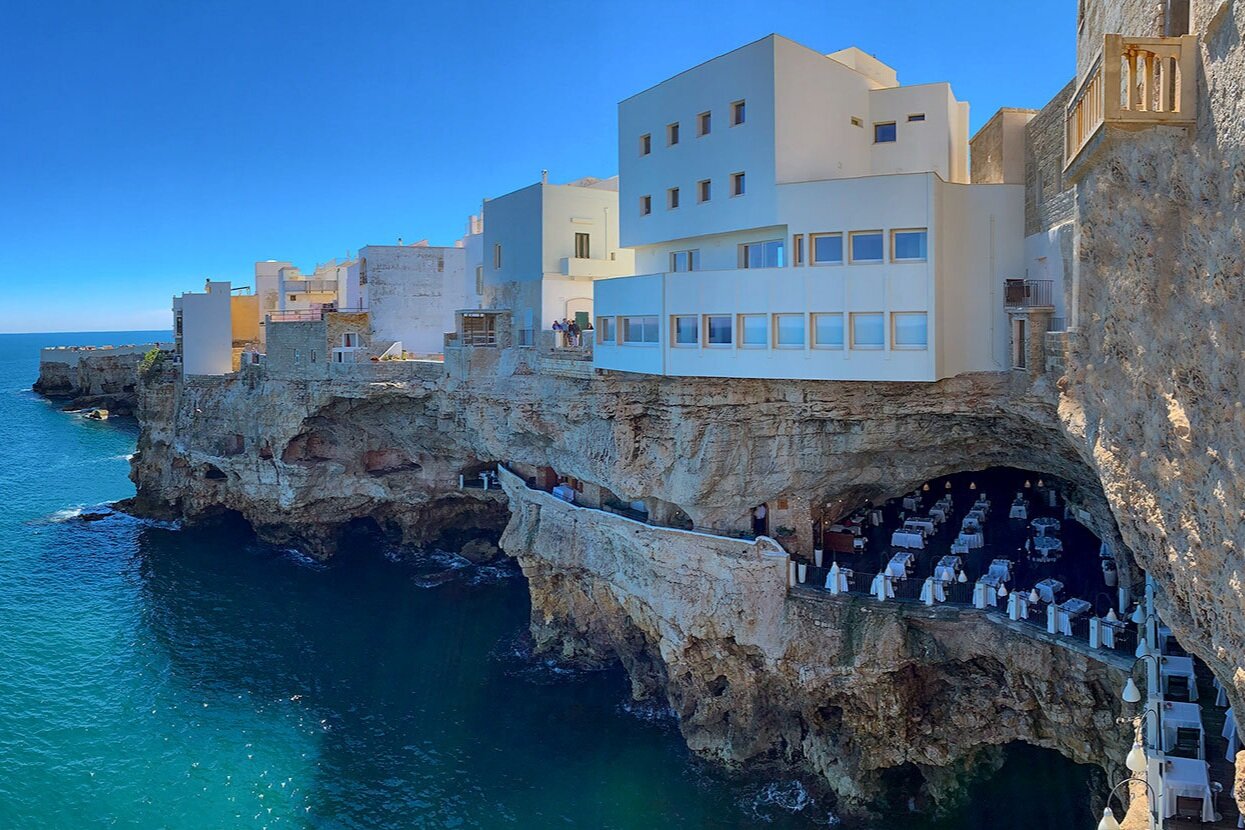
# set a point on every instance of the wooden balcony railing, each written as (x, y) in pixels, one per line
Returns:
(1135, 82)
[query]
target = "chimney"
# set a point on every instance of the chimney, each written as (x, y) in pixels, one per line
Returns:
(544, 177)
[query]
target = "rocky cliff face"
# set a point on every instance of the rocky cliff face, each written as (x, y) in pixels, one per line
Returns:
(868, 697)
(106, 378)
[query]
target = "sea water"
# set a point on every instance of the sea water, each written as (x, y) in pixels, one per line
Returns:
(153, 676)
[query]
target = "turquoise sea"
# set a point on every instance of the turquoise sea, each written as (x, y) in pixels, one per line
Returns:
(157, 677)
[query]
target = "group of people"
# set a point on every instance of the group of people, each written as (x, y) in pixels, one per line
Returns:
(568, 333)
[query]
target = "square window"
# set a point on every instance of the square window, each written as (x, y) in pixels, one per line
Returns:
(866, 246)
(704, 123)
(646, 144)
(828, 249)
(606, 330)
(753, 331)
(738, 184)
(703, 190)
(738, 113)
(909, 330)
(828, 331)
(917, 116)
(672, 134)
(908, 245)
(646, 205)
(789, 331)
(856, 122)
(686, 330)
(718, 330)
(884, 133)
(672, 198)
(867, 330)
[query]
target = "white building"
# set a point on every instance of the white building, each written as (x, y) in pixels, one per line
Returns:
(203, 330)
(286, 292)
(544, 245)
(411, 293)
(799, 215)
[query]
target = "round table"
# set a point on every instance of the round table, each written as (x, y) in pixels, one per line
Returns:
(1047, 544)
(1045, 524)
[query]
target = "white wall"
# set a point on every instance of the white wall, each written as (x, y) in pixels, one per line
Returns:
(207, 331)
(412, 293)
(938, 144)
(1044, 260)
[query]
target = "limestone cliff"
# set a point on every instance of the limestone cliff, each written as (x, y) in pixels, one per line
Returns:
(104, 377)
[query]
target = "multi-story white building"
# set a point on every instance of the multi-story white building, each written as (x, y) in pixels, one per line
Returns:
(544, 245)
(286, 292)
(799, 215)
(211, 328)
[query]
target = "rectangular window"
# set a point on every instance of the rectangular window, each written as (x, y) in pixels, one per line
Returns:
(789, 331)
(703, 190)
(909, 330)
(684, 261)
(827, 249)
(646, 205)
(908, 245)
(672, 134)
(797, 249)
(768, 254)
(686, 330)
(704, 123)
(646, 144)
(867, 330)
(738, 113)
(497, 257)
(639, 330)
(828, 331)
(856, 122)
(479, 279)
(884, 133)
(718, 329)
(866, 246)
(607, 331)
(672, 198)
(917, 116)
(583, 246)
(737, 184)
(753, 331)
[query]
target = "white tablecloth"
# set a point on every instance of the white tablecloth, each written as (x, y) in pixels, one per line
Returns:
(990, 589)
(938, 514)
(925, 525)
(973, 540)
(565, 493)
(1048, 588)
(1002, 568)
(1176, 715)
(1179, 667)
(1018, 511)
(1047, 543)
(1229, 732)
(836, 580)
(932, 591)
(880, 584)
(977, 515)
(1069, 611)
(970, 525)
(904, 539)
(1018, 606)
(1045, 524)
(1108, 630)
(1221, 696)
(899, 564)
(959, 547)
(1188, 778)
(911, 503)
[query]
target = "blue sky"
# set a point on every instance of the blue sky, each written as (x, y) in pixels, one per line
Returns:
(150, 145)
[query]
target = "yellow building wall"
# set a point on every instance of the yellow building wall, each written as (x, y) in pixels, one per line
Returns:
(244, 315)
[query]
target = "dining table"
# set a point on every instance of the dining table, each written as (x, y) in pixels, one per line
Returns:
(1048, 589)
(1047, 544)
(1044, 525)
(1019, 510)
(1069, 611)
(1187, 778)
(1229, 734)
(900, 564)
(948, 568)
(1002, 568)
(923, 524)
(1177, 715)
(973, 539)
(1170, 666)
(908, 539)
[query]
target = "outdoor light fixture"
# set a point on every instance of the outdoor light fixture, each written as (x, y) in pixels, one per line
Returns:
(925, 487)
(1108, 821)
(1131, 693)
(1028, 484)
(1139, 616)
(1111, 615)
(1002, 590)
(963, 577)
(1033, 596)
(972, 485)
(1136, 758)
(1041, 483)
(948, 485)
(1143, 648)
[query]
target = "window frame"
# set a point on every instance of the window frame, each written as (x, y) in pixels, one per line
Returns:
(812, 249)
(607, 329)
(586, 238)
(704, 191)
(797, 250)
(674, 331)
(744, 260)
(623, 327)
(497, 256)
(892, 124)
(691, 256)
(672, 198)
(855, 316)
(895, 344)
(894, 234)
(739, 112)
(646, 145)
(916, 117)
(646, 205)
(739, 184)
(851, 247)
(857, 121)
(741, 335)
(816, 343)
(672, 134)
(730, 331)
(774, 328)
(704, 123)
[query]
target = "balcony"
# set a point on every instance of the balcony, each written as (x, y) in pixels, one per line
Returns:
(595, 268)
(1024, 294)
(1135, 83)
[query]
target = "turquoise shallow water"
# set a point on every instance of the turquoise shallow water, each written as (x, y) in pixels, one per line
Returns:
(158, 677)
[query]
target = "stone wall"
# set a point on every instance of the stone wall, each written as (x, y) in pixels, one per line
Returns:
(1049, 200)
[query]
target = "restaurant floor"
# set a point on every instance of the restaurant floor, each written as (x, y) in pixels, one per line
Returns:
(1077, 566)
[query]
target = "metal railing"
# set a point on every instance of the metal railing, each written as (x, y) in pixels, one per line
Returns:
(1029, 293)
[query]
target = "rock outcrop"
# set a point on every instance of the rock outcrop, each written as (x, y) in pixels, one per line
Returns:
(89, 377)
